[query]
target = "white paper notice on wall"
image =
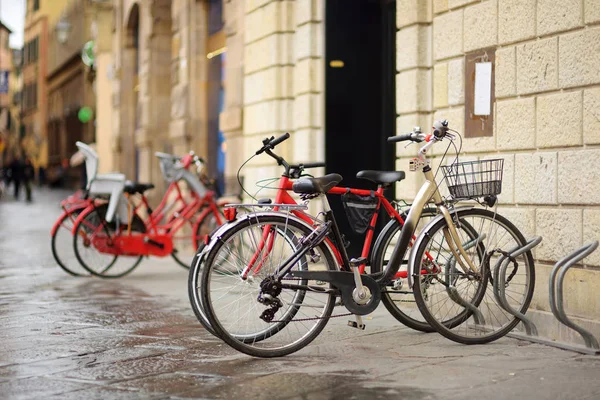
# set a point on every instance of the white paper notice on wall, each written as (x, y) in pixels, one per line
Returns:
(483, 88)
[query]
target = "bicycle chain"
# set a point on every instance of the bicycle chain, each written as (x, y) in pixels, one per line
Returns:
(315, 318)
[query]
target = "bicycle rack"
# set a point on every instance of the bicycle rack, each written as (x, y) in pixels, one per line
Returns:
(556, 300)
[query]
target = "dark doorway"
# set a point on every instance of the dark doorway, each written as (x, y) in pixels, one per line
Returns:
(359, 95)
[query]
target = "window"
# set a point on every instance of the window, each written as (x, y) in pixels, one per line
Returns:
(36, 5)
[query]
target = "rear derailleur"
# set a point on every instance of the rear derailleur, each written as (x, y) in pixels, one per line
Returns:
(270, 288)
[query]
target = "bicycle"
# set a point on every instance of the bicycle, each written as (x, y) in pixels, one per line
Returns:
(372, 255)
(297, 284)
(181, 215)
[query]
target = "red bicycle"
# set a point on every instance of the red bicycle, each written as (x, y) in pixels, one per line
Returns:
(366, 205)
(113, 247)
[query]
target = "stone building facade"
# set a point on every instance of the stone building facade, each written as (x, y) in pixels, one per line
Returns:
(544, 120)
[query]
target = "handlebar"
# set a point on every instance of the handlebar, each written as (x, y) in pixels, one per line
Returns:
(402, 138)
(440, 130)
(269, 144)
(308, 165)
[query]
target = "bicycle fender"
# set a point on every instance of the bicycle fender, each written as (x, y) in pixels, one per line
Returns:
(412, 255)
(57, 223)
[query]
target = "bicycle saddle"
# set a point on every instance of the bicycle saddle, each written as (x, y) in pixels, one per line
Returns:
(382, 177)
(316, 185)
(136, 187)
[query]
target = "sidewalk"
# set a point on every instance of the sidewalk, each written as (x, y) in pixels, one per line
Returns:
(63, 337)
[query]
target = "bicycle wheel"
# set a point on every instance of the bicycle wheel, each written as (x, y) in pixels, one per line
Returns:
(194, 294)
(231, 302)
(93, 227)
(397, 297)
(434, 292)
(187, 240)
(61, 243)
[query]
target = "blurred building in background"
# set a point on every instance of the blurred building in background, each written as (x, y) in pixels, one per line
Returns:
(6, 67)
(40, 15)
(71, 98)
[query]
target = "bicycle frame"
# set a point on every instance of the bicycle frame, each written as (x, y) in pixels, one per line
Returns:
(162, 234)
(283, 197)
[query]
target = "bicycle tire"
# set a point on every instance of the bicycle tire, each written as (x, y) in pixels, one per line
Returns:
(200, 231)
(392, 304)
(137, 226)
(70, 215)
(248, 343)
(194, 296)
(483, 333)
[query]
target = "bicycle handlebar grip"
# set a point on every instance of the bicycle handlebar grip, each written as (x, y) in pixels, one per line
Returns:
(400, 138)
(313, 164)
(280, 139)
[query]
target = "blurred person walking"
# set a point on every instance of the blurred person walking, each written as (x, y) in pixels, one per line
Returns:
(28, 177)
(16, 172)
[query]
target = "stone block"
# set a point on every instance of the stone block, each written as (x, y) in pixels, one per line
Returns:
(522, 217)
(309, 11)
(230, 120)
(268, 117)
(591, 116)
(515, 124)
(448, 35)
(591, 232)
(506, 72)
(309, 76)
(535, 178)
(558, 119)
(413, 47)
(481, 25)
(262, 85)
(413, 91)
(516, 20)
(456, 82)
(308, 145)
(579, 58)
(578, 176)
(308, 111)
(272, 50)
(537, 66)
(459, 3)
(412, 11)
(556, 16)
(508, 177)
(267, 20)
(308, 41)
(252, 5)
(440, 85)
(562, 231)
(440, 6)
(592, 11)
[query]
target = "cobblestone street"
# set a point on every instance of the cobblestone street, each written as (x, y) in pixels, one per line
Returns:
(65, 337)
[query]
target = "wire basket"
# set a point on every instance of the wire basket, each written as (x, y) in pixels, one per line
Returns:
(168, 167)
(469, 180)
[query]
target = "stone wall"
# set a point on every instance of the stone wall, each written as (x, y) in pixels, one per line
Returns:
(283, 83)
(546, 113)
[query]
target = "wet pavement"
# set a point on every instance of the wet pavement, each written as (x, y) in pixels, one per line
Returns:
(63, 337)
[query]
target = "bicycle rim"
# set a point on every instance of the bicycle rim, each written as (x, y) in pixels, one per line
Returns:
(490, 322)
(231, 303)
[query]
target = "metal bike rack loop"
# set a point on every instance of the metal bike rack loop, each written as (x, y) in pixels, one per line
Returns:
(557, 276)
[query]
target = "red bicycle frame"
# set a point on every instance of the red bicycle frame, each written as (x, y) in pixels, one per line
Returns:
(283, 197)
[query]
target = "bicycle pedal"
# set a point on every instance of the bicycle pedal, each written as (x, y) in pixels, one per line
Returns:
(357, 262)
(354, 324)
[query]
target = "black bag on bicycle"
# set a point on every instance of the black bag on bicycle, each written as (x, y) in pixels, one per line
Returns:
(360, 210)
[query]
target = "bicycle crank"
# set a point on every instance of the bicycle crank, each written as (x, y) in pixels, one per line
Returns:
(357, 302)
